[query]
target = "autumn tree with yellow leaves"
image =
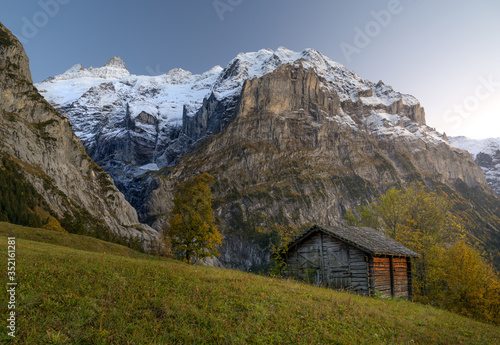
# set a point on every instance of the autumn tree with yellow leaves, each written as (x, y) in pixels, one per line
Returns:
(192, 229)
(470, 285)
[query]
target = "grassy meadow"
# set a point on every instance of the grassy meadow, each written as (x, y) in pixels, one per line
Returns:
(74, 289)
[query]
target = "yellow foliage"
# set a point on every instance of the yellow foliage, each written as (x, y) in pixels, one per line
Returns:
(471, 285)
(52, 223)
(192, 229)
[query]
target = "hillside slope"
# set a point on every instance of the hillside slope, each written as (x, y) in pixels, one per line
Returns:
(74, 241)
(40, 143)
(98, 297)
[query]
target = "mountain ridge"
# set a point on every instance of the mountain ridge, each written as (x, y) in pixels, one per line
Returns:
(114, 68)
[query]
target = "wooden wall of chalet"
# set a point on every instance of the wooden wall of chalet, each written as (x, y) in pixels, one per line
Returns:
(327, 261)
(396, 285)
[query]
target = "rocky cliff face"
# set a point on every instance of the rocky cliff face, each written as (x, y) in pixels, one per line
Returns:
(42, 142)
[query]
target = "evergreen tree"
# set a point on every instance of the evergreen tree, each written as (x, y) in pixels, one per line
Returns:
(18, 198)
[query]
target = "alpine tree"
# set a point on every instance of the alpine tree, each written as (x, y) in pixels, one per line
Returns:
(192, 230)
(470, 284)
(279, 238)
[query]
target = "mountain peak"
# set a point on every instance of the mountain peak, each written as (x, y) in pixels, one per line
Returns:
(74, 69)
(113, 69)
(178, 76)
(116, 61)
(178, 71)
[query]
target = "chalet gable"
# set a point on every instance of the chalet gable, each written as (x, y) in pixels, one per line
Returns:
(365, 239)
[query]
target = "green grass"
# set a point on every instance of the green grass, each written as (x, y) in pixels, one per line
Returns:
(73, 296)
(68, 240)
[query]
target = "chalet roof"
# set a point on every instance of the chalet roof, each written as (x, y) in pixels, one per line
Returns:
(366, 239)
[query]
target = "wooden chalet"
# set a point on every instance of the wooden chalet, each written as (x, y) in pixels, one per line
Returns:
(351, 258)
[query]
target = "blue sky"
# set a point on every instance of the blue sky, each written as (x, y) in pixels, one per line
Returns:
(445, 53)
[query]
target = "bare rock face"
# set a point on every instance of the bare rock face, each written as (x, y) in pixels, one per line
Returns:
(10, 57)
(42, 142)
(295, 152)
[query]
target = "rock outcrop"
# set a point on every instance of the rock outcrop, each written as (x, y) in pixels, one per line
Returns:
(41, 141)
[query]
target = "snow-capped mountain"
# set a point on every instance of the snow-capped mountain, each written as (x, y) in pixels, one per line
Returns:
(113, 69)
(129, 123)
(486, 154)
(347, 83)
(121, 117)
